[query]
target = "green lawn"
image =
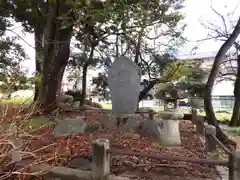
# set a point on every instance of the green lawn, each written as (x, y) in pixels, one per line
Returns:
(36, 123)
(32, 124)
(107, 106)
(220, 115)
(25, 100)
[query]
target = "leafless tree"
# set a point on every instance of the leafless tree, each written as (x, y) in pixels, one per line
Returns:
(229, 39)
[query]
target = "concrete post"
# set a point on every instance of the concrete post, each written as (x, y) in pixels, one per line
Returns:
(210, 143)
(194, 115)
(200, 125)
(234, 166)
(16, 144)
(101, 159)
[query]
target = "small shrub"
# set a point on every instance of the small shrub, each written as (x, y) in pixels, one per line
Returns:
(97, 105)
(75, 94)
(88, 102)
(91, 128)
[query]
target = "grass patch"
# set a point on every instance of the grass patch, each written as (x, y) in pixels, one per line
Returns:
(221, 115)
(25, 100)
(4, 127)
(36, 123)
(107, 106)
(91, 128)
(32, 124)
(159, 108)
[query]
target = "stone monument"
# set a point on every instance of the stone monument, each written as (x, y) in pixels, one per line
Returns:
(124, 78)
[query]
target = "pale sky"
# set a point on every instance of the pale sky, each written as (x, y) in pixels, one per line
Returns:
(196, 11)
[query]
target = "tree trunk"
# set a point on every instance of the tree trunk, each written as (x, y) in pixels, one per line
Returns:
(38, 35)
(84, 75)
(138, 46)
(117, 45)
(84, 84)
(165, 107)
(175, 104)
(235, 120)
(56, 54)
(59, 84)
(60, 78)
(211, 118)
(145, 91)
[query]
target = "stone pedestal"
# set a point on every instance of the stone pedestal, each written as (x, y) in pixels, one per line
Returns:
(101, 159)
(121, 122)
(173, 114)
(170, 134)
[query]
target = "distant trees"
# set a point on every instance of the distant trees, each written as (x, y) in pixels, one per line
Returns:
(132, 39)
(12, 77)
(102, 29)
(187, 81)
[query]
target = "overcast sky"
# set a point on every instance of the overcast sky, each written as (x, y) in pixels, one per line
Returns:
(196, 12)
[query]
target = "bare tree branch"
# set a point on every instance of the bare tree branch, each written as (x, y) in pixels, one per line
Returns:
(223, 20)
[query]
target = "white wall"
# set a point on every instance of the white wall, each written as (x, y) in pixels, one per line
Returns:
(224, 88)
